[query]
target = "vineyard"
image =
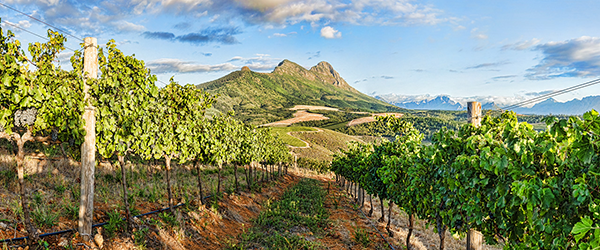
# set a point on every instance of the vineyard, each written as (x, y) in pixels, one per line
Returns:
(517, 187)
(520, 188)
(43, 105)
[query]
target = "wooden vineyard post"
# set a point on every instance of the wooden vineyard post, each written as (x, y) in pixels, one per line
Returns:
(474, 238)
(474, 111)
(88, 148)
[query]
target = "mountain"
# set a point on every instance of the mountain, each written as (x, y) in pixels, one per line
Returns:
(444, 102)
(573, 107)
(260, 98)
(436, 103)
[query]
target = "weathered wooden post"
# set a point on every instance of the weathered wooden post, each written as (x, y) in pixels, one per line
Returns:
(88, 148)
(474, 238)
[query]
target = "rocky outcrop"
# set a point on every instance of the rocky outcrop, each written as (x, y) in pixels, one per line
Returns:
(323, 72)
(327, 74)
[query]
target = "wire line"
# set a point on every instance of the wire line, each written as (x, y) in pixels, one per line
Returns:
(555, 93)
(31, 32)
(41, 21)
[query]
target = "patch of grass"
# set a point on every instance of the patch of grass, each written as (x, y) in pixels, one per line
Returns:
(361, 237)
(139, 236)
(281, 132)
(43, 217)
(293, 222)
(168, 218)
(7, 176)
(60, 188)
(114, 223)
(70, 211)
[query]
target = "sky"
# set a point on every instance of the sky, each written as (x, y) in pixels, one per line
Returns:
(460, 48)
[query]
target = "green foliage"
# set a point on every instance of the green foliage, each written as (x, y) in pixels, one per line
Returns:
(43, 216)
(361, 237)
(428, 126)
(114, 223)
(534, 190)
(168, 218)
(301, 209)
(320, 166)
(337, 119)
(282, 133)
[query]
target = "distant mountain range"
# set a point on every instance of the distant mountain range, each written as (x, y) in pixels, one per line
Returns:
(444, 102)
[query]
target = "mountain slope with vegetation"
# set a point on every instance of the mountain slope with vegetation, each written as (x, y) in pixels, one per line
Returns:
(260, 98)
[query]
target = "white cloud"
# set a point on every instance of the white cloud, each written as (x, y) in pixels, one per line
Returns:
(521, 45)
(579, 57)
(475, 33)
(283, 35)
(330, 33)
(23, 24)
(109, 16)
(129, 27)
(259, 62)
(169, 65)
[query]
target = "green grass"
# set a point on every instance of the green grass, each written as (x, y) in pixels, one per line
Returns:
(290, 222)
(281, 132)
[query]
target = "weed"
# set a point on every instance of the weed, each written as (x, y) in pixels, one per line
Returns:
(44, 244)
(361, 236)
(114, 223)
(37, 198)
(301, 209)
(16, 208)
(43, 217)
(75, 193)
(168, 218)
(7, 176)
(60, 189)
(139, 236)
(70, 211)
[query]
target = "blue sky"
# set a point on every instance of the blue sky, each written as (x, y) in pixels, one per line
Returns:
(459, 48)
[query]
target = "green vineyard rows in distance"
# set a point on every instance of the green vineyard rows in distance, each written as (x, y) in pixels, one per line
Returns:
(282, 133)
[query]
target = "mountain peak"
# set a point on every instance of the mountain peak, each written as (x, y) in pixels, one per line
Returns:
(288, 67)
(326, 73)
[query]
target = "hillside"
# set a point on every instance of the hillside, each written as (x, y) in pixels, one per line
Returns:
(260, 98)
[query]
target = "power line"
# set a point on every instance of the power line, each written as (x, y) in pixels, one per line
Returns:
(555, 93)
(33, 33)
(41, 21)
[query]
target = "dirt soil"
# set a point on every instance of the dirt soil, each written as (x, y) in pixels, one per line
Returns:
(299, 116)
(218, 224)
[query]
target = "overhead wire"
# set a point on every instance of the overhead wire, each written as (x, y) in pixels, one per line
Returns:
(33, 33)
(25, 14)
(552, 94)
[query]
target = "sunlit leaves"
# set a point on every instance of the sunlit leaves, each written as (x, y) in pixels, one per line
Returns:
(535, 190)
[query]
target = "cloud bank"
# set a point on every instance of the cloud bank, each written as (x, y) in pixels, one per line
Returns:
(118, 15)
(579, 57)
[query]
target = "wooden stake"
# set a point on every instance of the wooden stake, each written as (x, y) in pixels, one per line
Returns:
(474, 110)
(474, 238)
(88, 149)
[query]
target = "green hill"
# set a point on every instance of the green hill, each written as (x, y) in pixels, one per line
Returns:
(260, 98)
